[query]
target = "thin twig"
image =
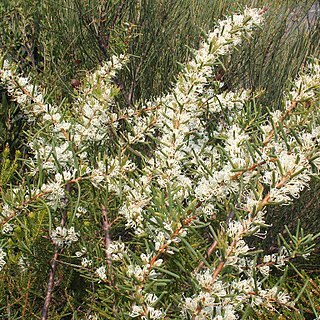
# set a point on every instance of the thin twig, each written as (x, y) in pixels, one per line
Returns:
(50, 287)
(213, 247)
(107, 239)
(264, 202)
(53, 267)
(26, 298)
(209, 253)
(104, 41)
(175, 234)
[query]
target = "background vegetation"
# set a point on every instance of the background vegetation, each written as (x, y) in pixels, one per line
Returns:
(56, 42)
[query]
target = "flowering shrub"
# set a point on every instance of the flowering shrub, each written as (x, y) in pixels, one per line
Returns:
(154, 206)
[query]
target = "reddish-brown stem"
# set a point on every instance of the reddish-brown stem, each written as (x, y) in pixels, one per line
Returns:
(53, 267)
(209, 253)
(26, 298)
(214, 244)
(47, 300)
(218, 270)
(107, 239)
(163, 248)
(251, 168)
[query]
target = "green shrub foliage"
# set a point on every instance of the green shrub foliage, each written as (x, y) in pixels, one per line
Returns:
(123, 213)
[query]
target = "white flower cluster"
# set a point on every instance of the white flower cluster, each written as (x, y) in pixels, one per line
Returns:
(301, 90)
(277, 260)
(23, 91)
(138, 196)
(52, 154)
(101, 273)
(222, 300)
(116, 250)
(63, 236)
(85, 262)
(224, 35)
(2, 261)
(23, 264)
(81, 211)
(81, 252)
(6, 213)
(95, 102)
(142, 271)
(147, 311)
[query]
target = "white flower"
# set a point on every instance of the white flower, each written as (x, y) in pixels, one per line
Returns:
(81, 253)
(150, 298)
(265, 270)
(276, 116)
(116, 249)
(97, 177)
(63, 236)
(235, 228)
(6, 212)
(85, 262)
(23, 264)
(7, 228)
(2, 261)
(154, 313)
(204, 278)
(101, 273)
(230, 313)
(80, 211)
(137, 271)
(136, 311)
(159, 240)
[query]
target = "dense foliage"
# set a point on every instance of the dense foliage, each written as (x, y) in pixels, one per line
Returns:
(117, 211)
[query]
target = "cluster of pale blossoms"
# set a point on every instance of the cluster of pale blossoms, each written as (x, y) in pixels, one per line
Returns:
(101, 273)
(116, 250)
(6, 212)
(223, 301)
(63, 236)
(2, 261)
(225, 298)
(281, 171)
(147, 310)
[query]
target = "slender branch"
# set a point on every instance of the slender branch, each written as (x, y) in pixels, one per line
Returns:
(50, 287)
(165, 246)
(107, 240)
(26, 297)
(233, 244)
(213, 247)
(27, 93)
(262, 204)
(209, 253)
(252, 167)
(53, 267)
